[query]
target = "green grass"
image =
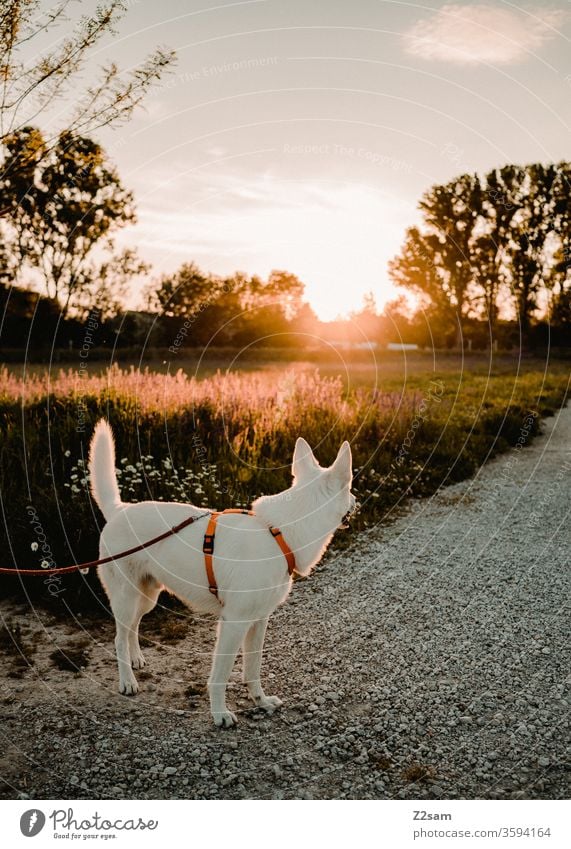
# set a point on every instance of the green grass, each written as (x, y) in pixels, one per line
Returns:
(221, 441)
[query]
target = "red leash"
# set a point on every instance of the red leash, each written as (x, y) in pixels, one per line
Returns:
(92, 563)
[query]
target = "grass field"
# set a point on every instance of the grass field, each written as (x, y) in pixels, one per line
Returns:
(222, 438)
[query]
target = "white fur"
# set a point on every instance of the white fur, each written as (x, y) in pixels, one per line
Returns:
(250, 568)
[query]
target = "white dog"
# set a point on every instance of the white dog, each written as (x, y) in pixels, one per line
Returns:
(251, 572)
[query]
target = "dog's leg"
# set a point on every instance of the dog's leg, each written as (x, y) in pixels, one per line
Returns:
(125, 608)
(253, 647)
(230, 636)
(146, 601)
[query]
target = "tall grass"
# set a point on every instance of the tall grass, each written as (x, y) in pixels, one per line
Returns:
(224, 440)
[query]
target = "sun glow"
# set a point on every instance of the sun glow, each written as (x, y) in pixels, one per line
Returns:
(336, 237)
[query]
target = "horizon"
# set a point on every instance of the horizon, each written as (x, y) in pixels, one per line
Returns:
(302, 138)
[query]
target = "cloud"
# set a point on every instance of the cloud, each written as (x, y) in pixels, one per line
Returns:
(483, 33)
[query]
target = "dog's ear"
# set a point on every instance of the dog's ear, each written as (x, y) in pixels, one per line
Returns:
(342, 469)
(303, 459)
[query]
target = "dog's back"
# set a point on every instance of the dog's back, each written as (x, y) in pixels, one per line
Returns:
(250, 569)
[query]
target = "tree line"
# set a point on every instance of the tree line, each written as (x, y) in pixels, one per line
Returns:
(492, 244)
(489, 261)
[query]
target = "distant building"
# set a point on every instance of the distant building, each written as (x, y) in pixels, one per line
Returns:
(401, 346)
(346, 345)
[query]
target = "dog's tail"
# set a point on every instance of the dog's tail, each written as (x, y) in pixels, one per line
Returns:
(102, 470)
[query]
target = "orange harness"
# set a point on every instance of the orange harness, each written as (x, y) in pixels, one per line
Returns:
(208, 547)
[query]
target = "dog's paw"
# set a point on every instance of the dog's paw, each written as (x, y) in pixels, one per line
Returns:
(224, 719)
(128, 688)
(138, 661)
(268, 703)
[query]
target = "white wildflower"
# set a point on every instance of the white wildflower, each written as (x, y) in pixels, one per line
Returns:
(34, 546)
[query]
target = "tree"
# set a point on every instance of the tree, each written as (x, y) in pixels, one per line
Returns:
(395, 325)
(526, 207)
(105, 284)
(558, 280)
(451, 215)
(183, 293)
(436, 261)
(197, 301)
(305, 324)
(286, 291)
(487, 279)
(29, 88)
(282, 291)
(560, 309)
(33, 163)
(509, 232)
(236, 309)
(267, 306)
(417, 268)
(366, 322)
(62, 204)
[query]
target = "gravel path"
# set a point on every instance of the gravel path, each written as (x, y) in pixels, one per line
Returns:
(431, 661)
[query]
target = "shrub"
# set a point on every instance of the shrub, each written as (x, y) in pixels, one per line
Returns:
(224, 440)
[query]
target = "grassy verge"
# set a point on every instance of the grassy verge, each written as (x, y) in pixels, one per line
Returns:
(224, 440)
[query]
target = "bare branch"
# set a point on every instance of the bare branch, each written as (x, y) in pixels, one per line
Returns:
(110, 100)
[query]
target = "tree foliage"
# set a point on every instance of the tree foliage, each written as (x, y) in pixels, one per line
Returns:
(235, 309)
(59, 196)
(484, 240)
(184, 292)
(33, 80)
(62, 203)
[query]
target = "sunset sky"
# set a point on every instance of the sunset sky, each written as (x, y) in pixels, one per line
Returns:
(299, 135)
